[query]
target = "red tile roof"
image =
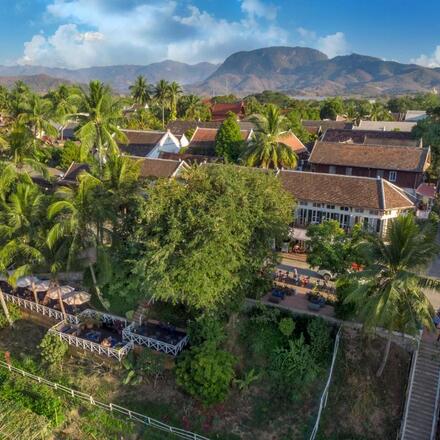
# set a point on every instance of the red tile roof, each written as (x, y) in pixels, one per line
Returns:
(288, 138)
(157, 168)
(427, 190)
(220, 111)
(370, 156)
(340, 190)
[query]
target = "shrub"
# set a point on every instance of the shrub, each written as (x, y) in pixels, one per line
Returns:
(145, 366)
(14, 314)
(53, 349)
(320, 339)
(286, 326)
(292, 368)
(206, 373)
(206, 328)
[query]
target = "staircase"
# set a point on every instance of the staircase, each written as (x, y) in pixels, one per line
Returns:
(421, 408)
(139, 314)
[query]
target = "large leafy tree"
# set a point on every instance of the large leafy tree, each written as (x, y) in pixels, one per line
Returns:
(191, 107)
(228, 141)
(141, 91)
(332, 248)
(389, 292)
(162, 97)
(206, 239)
(99, 114)
(264, 149)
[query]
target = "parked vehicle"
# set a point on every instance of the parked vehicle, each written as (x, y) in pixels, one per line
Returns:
(326, 274)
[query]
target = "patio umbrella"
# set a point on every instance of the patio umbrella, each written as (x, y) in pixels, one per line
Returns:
(53, 292)
(76, 298)
(26, 281)
(42, 286)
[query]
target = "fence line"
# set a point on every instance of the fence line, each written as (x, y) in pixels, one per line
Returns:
(111, 407)
(323, 401)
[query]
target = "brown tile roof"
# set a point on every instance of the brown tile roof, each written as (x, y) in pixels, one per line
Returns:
(385, 125)
(318, 126)
(288, 138)
(157, 168)
(401, 138)
(179, 127)
(140, 142)
(203, 141)
(188, 158)
(220, 111)
(334, 189)
(72, 173)
(370, 156)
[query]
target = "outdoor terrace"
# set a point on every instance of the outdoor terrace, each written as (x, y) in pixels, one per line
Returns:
(96, 332)
(158, 336)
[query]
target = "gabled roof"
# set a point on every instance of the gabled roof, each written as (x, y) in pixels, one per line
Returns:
(415, 115)
(316, 127)
(370, 156)
(71, 175)
(341, 190)
(189, 158)
(385, 125)
(159, 168)
(179, 127)
(288, 138)
(203, 141)
(219, 111)
(401, 138)
(141, 142)
(427, 190)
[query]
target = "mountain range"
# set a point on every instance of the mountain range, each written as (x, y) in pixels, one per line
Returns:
(292, 70)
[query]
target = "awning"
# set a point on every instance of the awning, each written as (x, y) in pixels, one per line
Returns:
(299, 234)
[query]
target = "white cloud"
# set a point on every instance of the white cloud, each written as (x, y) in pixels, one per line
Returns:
(104, 32)
(333, 45)
(100, 32)
(255, 8)
(432, 60)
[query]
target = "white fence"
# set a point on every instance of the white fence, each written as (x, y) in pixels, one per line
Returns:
(85, 344)
(39, 308)
(103, 317)
(323, 401)
(130, 334)
(119, 410)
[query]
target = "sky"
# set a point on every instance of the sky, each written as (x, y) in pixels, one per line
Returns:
(82, 33)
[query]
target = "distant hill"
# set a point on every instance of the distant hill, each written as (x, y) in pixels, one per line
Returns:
(292, 70)
(40, 83)
(304, 71)
(120, 77)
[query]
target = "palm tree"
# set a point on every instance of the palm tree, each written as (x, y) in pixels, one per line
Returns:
(174, 91)
(78, 219)
(379, 112)
(23, 149)
(140, 91)
(37, 115)
(265, 150)
(193, 107)
(162, 96)
(65, 102)
(18, 98)
(389, 292)
(21, 220)
(99, 117)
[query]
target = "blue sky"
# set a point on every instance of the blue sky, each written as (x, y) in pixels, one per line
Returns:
(81, 33)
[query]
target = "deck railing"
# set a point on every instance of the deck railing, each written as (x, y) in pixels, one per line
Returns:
(104, 317)
(39, 308)
(129, 334)
(85, 344)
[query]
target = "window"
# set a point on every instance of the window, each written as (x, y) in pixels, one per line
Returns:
(348, 171)
(302, 203)
(332, 169)
(379, 173)
(392, 176)
(359, 210)
(330, 206)
(344, 208)
(317, 205)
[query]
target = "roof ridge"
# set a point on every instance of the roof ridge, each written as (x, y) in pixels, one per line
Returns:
(358, 145)
(153, 158)
(328, 174)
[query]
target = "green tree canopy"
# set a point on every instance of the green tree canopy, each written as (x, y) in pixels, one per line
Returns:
(206, 238)
(228, 141)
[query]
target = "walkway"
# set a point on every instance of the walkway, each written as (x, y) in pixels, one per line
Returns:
(421, 409)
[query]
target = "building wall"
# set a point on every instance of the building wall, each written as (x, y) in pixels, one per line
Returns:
(307, 213)
(404, 179)
(168, 146)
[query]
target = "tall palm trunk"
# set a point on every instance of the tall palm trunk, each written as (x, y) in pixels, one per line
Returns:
(5, 308)
(60, 298)
(34, 292)
(385, 354)
(95, 285)
(163, 115)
